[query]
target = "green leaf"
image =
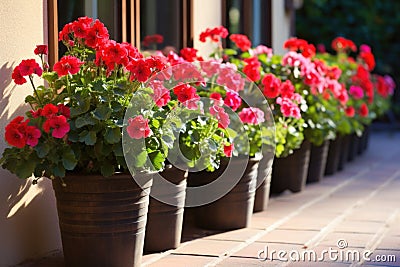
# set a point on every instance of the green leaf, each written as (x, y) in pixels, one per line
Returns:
(89, 137)
(50, 76)
(112, 135)
(68, 159)
(102, 113)
(157, 158)
(82, 121)
(25, 169)
(107, 169)
(81, 107)
(230, 52)
(42, 149)
(59, 171)
(141, 159)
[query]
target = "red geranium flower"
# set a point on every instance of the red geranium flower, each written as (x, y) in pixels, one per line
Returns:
(349, 111)
(59, 125)
(228, 149)
(251, 115)
(138, 127)
(32, 135)
(140, 70)
(271, 85)
(15, 133)
(190, 54)
(232, 100)
(28, 67)
(49, 111)
(67, 65)
(185, 92)
(241, 41)
(214, 34)
(220, 114)
(41, 50)
(17, 76)
(363, 110)
(215, 96)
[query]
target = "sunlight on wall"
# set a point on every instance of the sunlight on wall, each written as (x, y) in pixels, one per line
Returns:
(28, 217)
(26, 194)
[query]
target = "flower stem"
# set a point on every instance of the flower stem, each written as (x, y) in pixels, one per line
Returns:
(36, 93)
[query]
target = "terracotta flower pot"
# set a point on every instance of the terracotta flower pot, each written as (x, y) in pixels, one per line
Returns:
(165, 220)
(291, 172)
(102, 220)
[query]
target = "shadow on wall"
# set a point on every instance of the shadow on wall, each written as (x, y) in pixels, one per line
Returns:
(17, 224)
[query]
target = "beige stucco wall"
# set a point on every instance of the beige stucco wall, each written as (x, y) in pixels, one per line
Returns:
(28, 219)
(206, 14)
(280, 26)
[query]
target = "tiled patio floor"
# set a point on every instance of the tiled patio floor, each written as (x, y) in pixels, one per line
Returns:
(357, 208)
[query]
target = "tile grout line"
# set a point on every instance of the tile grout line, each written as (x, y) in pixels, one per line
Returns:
(287, 218)
(374, 242)
(316, 240)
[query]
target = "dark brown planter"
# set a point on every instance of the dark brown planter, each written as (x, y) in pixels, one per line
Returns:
(318, 157)
(363, 141)
(333, 158)
(234, 210)
(262, 192)
(165, 220)
(291, 172)
(102, 220)
(344, 151)
(353, 147)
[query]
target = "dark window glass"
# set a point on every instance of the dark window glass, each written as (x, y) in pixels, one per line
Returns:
(162, 17)
(250, 17)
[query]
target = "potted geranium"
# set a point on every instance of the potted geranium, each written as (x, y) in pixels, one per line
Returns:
(73, 135)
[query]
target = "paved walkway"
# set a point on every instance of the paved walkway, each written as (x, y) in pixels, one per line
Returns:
(345, 216)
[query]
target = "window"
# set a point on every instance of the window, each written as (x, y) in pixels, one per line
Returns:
(250, 17)
(126, 20)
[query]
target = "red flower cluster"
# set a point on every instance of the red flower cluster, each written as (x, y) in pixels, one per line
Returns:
(232, 99)
(67, 65)
(300, 45)
(148, 40)
(251, 115)
(41, 50)
(241, 41)
(229, 77)
(27, 67)
(252, 68)
(190, 54)
(384, 85)
(220, 114)
(341, 44)
(215, 34)
(93, 34)
(228, 150)
(19, 133)
(367, 57)
(362, 78)
(138, 127)
(187, 95)
(56, 119)
(271, 85)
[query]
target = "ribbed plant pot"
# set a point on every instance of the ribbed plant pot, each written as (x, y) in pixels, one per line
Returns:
(353, 147)
(317, 165)
(344, 154)
(165, 216)
(333, 158)
(234, 210)
(291, 172)
(102, 219)
(262, 192)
